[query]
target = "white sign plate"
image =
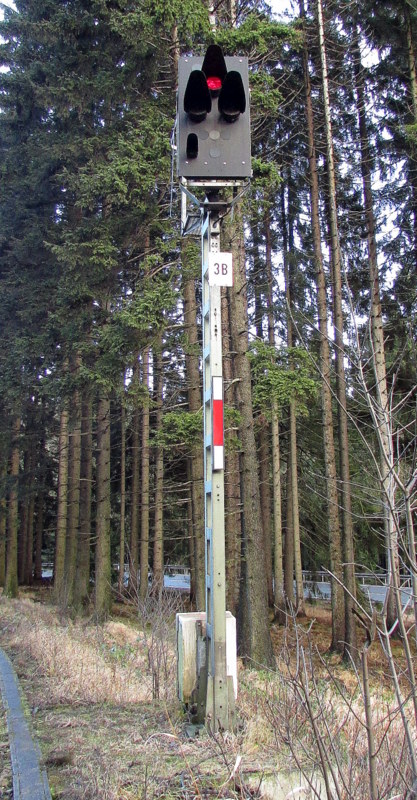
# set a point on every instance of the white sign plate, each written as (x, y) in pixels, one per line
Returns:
(220, 269)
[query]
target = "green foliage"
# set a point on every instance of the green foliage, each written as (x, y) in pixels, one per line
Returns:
(121, 167)
(411, 133)
(183, 429)
(190, 259)
(180, 429)
(232, 420)
(256, 34)
(266, 98)
(232, 417)
(189, 16)
(282, 376)
(265, 182)
(145, 310)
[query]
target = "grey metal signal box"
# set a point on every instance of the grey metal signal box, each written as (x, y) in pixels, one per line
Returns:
(223, 148)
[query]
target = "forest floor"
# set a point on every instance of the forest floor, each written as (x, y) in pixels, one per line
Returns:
(103, 706)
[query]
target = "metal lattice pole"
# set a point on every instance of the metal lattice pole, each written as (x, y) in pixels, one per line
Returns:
(217, 704)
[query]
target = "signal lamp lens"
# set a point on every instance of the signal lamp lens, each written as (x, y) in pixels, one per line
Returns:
(192, 145)
(197, 98)
(214, 83)
(232, 99)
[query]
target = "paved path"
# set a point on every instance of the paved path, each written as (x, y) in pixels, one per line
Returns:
(29, 779)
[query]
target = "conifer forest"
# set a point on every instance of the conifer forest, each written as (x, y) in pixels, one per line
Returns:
(101, 421)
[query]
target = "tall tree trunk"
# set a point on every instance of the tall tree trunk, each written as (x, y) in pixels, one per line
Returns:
(32, 443)
(298, 568)
(382, 408)
(103, 565)
(82, 576)
(254, 635)
(145, 476)
(347, 572)
(190, 529)
(122, 533)
(289, 541)
(263, 427)
(3, 518)
(40, 501)
(232, 498)
(158, 551)
(60, 594)
(11, 581)
(135, 490)
(410, 34)
(264, 460)
(40, 504)
(291, 510)
(335, 549)
(194, 379)
(30, 539)
(279, 593)
(294, 509)
(74, 468)
(26, 489)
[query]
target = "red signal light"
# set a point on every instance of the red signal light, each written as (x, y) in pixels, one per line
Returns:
(214, 83)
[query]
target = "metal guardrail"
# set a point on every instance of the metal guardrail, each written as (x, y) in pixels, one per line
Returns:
(176, 569)
(310, 577)
(364, 578)
(170, 569)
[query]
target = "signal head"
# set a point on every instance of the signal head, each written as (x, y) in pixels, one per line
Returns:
(213, 132)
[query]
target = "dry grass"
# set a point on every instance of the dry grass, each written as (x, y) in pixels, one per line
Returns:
(6, 789)
(314, 699)
(105, 734)
(83, 663)
(89, 689)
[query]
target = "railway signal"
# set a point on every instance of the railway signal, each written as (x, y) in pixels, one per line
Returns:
(213, 139)
(213, 153)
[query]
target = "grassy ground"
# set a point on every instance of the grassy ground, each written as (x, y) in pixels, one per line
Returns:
(89, 692)
(5, 768)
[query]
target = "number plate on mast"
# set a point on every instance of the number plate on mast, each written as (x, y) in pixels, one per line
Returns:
(220, 269)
